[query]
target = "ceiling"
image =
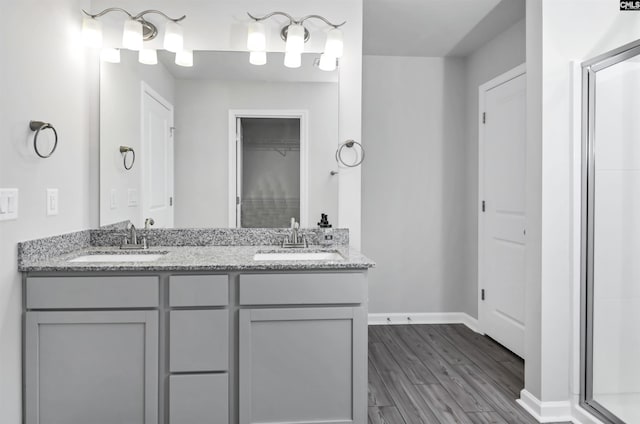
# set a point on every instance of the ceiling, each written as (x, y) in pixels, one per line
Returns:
(435, 28)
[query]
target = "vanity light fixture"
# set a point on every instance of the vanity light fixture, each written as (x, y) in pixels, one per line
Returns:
(294, 34)
(136, 31)
(148, 56)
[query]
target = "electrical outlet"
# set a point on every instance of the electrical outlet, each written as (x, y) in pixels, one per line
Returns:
(52, 201)
(8, 204)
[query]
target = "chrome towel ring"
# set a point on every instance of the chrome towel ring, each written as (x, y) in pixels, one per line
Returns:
(350, 144)
(38, 126)
(125, 151)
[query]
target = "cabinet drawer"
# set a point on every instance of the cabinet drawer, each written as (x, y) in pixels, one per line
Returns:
(300, 289)
(198, 290)
(198, 399)
(199, 340)
(92, 292)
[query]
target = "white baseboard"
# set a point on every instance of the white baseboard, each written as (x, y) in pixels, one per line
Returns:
(545, 412)
(424, 318)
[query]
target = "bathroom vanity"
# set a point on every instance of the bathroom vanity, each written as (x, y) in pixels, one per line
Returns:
(204, 334)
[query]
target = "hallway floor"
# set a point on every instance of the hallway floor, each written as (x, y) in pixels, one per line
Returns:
(442, 374)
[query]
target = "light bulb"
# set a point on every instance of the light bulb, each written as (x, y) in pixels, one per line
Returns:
(148, 56)
(327, 63)
(184, 58)
(334, 45)
(295, 39)
(292, 60)
(173, 37)
(256, 38)
(91, 32)
(110, 55)
(258, 58)
(132, 35)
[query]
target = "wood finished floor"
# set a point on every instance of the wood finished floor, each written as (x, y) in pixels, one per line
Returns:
(442, 374)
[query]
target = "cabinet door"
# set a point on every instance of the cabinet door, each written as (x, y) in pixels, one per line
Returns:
(303, 365)
(91, 367)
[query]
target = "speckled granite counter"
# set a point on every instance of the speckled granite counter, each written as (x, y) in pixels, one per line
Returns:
(182, 250)
(198, 258)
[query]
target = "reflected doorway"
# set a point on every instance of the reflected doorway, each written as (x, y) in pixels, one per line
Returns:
(269, 165)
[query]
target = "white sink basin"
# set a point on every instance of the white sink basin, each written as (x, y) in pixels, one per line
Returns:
(114, 257)
(298, 256)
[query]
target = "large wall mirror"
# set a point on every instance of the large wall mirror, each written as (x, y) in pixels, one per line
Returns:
(223, 143)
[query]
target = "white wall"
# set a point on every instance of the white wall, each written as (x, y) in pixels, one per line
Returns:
(45, 75)
(121, 125)
(566, 30)
(414, 182)
(504, 52)
(201, 159)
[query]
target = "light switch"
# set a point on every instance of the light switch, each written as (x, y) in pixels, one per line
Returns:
(113, 196)
(52, 201)
(132, 197)
(8, 204)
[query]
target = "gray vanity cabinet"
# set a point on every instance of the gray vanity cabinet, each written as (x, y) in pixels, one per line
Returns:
(98, 367)
(304, 360)
(91, 349)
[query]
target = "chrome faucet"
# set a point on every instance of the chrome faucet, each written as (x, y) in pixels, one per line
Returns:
(295, 239)
(131, 242)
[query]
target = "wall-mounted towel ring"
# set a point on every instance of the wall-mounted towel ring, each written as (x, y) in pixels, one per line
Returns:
(38, 126)
(125, 151)
(350, 144)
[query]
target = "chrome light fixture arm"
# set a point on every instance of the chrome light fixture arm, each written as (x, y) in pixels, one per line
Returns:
(293, 20)
(323, 19)
(136, 17)
(105, 11)
(157, 12)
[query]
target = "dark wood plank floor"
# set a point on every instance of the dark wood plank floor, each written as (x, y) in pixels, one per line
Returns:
(441, 374)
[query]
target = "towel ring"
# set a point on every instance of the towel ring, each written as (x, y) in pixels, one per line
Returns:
(38, 126)
(349, 144)
(125, 150)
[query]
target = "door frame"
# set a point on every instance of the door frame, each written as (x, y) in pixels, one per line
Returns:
(147, 90)
(482, 91)
(304, 157)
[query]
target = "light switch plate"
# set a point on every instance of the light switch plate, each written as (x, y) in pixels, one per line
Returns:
(113, 199)
(132, 197)
(8, 204)
(52, 201)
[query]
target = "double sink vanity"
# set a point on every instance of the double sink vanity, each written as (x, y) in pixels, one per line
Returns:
(206, 326)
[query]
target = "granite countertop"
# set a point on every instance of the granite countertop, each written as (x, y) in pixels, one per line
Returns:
(197, 258)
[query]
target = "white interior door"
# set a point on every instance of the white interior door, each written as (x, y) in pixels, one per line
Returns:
(502, 238)
(157, 159)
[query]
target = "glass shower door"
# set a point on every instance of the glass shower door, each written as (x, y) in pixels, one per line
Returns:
(611, 332)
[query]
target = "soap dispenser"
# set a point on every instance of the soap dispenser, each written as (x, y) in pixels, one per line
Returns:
(326, 232)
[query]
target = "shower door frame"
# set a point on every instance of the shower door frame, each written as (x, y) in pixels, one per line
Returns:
(590, 68)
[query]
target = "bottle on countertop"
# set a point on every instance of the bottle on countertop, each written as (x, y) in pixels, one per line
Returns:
(326, 231)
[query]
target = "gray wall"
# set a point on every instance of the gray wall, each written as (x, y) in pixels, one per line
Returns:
(414, 182)
(501, 54)
(58, 83)
(420, 178)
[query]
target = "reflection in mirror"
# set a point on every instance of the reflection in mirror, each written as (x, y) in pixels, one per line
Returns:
(223, 143)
